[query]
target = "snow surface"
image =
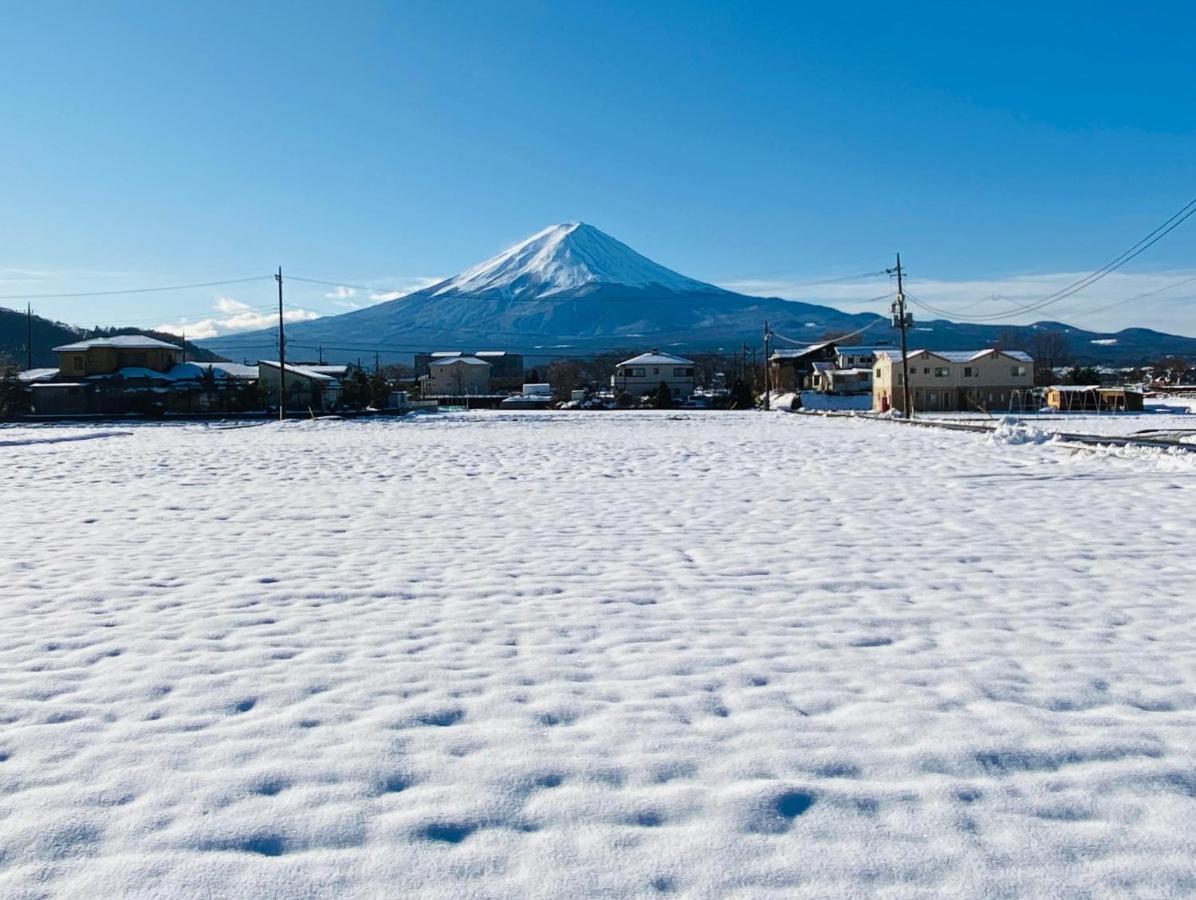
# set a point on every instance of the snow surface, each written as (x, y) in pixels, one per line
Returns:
(605, 654)
(567, 259)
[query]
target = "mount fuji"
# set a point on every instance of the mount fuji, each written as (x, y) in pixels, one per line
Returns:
(572, 289)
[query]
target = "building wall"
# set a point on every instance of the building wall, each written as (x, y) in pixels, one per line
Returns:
(640, 380)
(457, 378)
(302, 392)
(938, 385)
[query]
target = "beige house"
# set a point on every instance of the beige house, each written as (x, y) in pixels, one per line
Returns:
(457, 377)
(951, 380)
(103, 356)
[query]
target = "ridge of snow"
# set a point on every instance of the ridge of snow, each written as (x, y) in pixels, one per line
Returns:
(564, 259)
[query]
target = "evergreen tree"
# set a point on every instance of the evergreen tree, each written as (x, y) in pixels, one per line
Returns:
(663, 398)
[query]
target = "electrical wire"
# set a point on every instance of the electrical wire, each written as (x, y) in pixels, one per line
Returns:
(1135, 250)
(148, 290)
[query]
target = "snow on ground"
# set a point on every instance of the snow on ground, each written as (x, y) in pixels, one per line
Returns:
(504, 655)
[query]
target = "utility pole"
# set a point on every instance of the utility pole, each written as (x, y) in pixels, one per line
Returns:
(28, 335)
(377, 365)
(321, 354)
(282, 355)
(902, 320)
(184, 343)
(767, 373)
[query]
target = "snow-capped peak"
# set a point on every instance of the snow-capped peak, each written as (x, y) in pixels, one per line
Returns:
(572, 258)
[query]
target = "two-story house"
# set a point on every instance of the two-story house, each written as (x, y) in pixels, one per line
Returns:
(645, 373)
(103, 356)
(951, 380)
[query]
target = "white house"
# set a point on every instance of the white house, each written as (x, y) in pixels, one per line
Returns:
(457, 377)
(643, 374)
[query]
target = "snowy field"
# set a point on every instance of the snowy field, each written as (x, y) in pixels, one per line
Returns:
(578, 655)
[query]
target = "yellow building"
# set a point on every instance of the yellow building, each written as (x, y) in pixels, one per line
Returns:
(103, 356)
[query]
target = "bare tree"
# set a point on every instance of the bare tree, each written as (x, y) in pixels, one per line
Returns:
(1049, 349)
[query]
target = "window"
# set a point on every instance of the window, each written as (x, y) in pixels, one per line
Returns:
(681, 373)
(638, 373)
(1019, 370)
(926, 370)
(941, 371)
(878, 373)
(656, 371)
(968, 372)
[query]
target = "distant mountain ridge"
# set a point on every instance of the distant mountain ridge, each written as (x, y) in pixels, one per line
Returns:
(573, 289)
(48, 334)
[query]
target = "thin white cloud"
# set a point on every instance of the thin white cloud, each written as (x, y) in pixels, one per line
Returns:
(405, 287)
(1098, 307)
(341, 293)
(237, 316)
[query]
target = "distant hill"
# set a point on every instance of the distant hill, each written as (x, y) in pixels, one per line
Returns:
(571, 289)
(48, 334)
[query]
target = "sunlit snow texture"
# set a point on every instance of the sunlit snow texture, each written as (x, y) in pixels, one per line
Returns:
(572, 655)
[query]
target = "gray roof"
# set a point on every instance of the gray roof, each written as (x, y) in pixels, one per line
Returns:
(959, 356)
(120, 342)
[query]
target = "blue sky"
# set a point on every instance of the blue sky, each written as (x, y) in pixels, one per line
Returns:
(759, 146)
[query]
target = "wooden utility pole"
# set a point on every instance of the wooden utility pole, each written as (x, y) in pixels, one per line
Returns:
(902, 320)
(28, 335)
(282, 355)
(767, 373)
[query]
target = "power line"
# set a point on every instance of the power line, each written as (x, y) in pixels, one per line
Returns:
(146, 290)
(1135, 250)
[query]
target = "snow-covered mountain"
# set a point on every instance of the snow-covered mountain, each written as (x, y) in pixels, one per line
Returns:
(569, 260)
(572, 289)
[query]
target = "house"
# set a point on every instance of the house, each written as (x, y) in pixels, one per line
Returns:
(140, 390)
(792, 369)
(951, 380)
(506, 368)
(457, 376)
(307, 389)
(104, 356)
(1093, 398)
(645, 373)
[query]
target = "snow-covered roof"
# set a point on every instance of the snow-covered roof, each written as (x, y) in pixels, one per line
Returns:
(446, 353)
(489, 353)
(798, 352)
(656, 358)
(191, 371)
(335, 371)
(467, 360)
(119, 342)
(298, 370)
(958, 356)
(822, 366)
(31, 375)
